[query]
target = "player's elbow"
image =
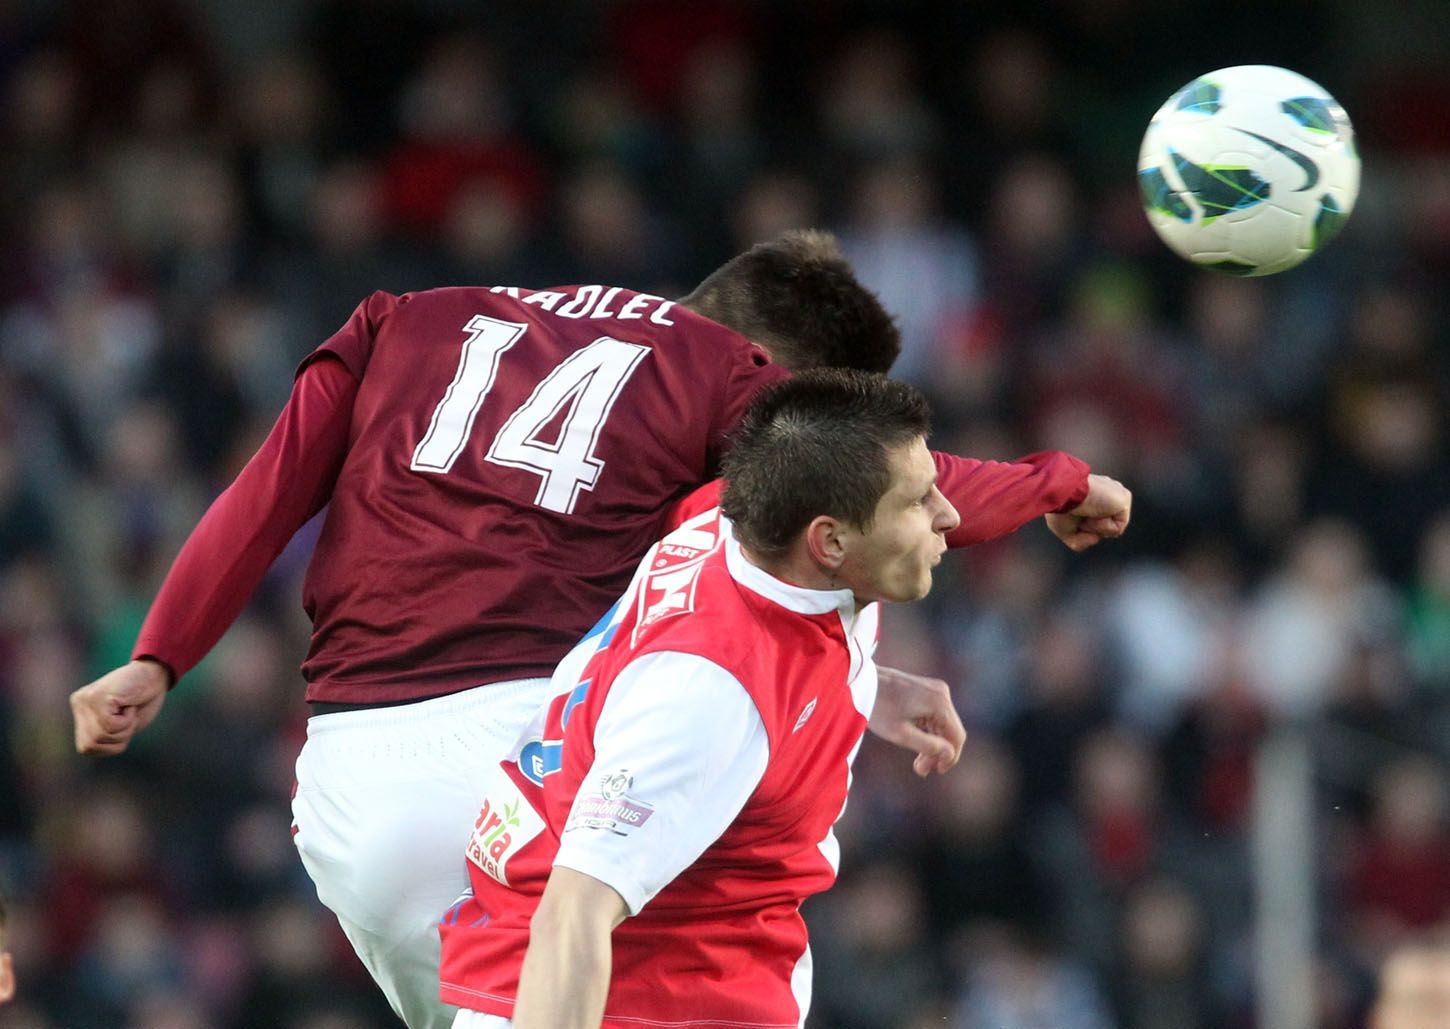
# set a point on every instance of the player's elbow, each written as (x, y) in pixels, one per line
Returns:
(575, 903)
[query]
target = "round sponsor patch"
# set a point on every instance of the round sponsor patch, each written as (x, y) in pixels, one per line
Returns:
(616, 784)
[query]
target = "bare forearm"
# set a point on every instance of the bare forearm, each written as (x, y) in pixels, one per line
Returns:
(565, 979)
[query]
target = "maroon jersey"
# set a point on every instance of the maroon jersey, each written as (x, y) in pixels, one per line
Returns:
(509, 455)
(493, 501)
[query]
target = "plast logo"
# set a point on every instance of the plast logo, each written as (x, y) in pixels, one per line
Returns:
(665, 594)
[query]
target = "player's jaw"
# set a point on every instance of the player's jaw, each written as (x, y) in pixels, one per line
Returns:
(923, 563)
(907, 538)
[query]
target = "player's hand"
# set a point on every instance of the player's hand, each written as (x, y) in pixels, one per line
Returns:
(1104, 514)
(915, 712)
(118, 705)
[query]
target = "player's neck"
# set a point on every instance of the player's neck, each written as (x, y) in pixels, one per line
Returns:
(794, 568)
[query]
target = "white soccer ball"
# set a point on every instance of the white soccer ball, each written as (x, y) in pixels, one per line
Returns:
(1249, 170)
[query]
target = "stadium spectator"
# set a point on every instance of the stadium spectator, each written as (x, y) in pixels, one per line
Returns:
(982, 871)
(7, 966)
(1160, 979)
(1399, 879)
(1428, 614)
(923, 268)
(1311, 615)
(871, 931)
(1414, 986)
(1021, 983)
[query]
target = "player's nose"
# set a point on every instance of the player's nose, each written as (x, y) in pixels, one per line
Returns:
(947, 517)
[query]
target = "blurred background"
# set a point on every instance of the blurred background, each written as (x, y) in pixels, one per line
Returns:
(1236, 719)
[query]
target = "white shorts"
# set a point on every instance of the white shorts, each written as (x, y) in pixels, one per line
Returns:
(478, 1020)
(386, 799)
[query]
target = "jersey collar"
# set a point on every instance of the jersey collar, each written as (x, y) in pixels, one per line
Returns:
(792, 598)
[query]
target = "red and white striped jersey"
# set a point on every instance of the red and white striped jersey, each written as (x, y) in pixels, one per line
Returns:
(696, 763)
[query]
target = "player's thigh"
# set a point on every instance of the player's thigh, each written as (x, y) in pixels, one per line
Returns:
(382, 854)
(384, 806)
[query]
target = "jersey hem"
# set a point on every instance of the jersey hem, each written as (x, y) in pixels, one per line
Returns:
(331, 691)
(503, 1007)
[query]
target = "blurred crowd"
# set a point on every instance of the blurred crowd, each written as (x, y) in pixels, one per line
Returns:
(194, 194)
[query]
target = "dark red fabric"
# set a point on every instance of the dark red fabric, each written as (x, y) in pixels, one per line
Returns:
(1407, 881)
(998, 497)
(424, 583)
(994, 498)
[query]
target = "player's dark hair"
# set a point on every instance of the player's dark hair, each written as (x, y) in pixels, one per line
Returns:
(799, 298)
(813, 445)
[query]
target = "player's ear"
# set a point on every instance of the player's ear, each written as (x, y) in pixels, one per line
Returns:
(7, 977)
(826, 541)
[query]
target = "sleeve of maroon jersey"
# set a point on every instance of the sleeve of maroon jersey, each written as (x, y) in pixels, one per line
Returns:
(284, 484)
(353, 343)
(752, 373)
(995, 498)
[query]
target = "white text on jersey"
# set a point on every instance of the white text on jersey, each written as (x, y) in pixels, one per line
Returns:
(589, 303)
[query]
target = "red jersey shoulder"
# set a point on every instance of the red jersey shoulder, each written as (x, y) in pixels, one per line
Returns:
(670, 585)
(690, 601)
(703, 500)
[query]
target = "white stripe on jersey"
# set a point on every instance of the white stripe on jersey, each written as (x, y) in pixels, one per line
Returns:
(800, 984)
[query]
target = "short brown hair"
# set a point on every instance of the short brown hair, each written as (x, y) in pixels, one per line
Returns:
(799, 298)
(814, 445)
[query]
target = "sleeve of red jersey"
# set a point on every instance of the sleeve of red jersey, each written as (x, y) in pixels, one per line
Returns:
(284, 484)
(995, 498)
(683, 742)
(353, 343)
(752, 372)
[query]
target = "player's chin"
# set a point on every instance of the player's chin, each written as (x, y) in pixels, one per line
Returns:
(922, 586)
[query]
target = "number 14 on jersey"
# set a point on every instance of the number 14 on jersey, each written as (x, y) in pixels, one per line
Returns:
(587, 383)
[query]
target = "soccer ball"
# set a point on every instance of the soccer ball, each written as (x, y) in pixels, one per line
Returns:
(1249, 170)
